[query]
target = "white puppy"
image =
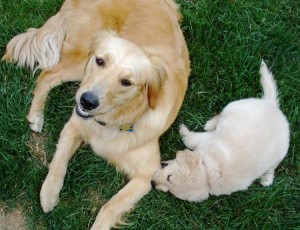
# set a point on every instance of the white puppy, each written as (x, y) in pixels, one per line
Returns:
(246, 141)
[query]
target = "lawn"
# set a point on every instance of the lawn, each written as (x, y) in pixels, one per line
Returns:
(227, 40)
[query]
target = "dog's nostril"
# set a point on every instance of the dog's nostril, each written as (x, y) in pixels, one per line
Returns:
(163, 164)
(153, 184)
(89, 101)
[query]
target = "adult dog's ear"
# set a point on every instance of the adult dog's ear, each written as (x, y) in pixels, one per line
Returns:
(188, 162)
(154, 85)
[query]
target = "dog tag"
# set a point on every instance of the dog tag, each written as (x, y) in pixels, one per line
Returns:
(126, 128)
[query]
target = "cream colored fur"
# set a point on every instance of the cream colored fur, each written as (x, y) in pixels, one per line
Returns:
(141, 42)
(247, 141)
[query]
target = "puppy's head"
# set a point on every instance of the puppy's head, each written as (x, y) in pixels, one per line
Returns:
(119, 78)
(185, 177)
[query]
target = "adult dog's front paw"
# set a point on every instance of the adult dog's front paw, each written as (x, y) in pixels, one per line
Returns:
(36, 121)
(49, 195)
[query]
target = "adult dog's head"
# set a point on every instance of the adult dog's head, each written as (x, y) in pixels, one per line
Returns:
(121, 80)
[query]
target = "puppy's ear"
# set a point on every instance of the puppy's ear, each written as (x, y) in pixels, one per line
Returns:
(159, 74)
(188, 162)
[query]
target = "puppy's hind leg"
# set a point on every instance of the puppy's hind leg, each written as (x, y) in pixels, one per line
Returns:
(267, 178)
(212, 123)
(63, 72)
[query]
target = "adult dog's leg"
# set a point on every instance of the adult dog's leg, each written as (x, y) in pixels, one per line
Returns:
(140, 184)
(111, 213)
(63, 72)
(68, 142)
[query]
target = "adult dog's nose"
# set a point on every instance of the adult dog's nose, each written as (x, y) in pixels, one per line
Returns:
(89, 101)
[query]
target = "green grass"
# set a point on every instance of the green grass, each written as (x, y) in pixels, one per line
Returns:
(227, 40)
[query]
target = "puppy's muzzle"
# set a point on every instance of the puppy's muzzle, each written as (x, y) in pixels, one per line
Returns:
(153, 184)
(89, 101)
(163, 164)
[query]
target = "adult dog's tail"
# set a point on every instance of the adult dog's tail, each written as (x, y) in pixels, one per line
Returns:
(38, 48)
(268, 84)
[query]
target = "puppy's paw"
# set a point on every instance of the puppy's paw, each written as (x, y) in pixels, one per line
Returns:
(183, 130)
(266, 183)
(267, 178)
(211, 124)
(187, 137)
(36, 121)
(49, 196)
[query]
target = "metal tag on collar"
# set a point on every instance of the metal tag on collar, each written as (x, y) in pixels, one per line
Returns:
(126, 128)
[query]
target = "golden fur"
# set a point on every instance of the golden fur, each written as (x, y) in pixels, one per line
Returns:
(140, 42)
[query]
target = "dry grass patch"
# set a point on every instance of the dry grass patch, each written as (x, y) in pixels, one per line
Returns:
(12, 220)
(36, 146)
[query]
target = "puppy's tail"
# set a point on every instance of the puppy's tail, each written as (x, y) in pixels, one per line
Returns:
(268, 84)
(37, 48)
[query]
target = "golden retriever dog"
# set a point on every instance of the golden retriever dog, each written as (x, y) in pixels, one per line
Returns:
(248, 140)
(133, 62)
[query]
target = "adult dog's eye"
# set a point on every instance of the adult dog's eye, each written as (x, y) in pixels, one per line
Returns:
(126, 82)
(100, 61)
(168, 178)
